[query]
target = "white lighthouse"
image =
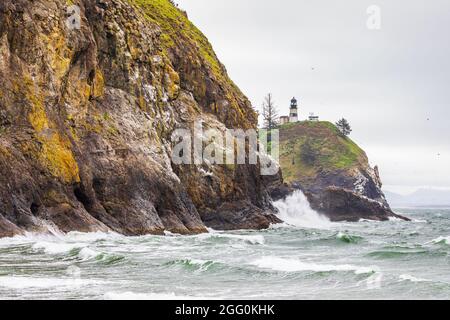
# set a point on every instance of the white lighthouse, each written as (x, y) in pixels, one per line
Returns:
(293, 113)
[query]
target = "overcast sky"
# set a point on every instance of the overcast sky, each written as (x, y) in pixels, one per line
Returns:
(392, 84)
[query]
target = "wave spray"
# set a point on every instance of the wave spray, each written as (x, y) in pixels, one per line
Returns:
(296, 211)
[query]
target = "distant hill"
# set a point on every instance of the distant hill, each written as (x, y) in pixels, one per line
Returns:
(420, 198)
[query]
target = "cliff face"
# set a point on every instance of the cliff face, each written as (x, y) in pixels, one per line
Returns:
(333, 172)
(87, 114)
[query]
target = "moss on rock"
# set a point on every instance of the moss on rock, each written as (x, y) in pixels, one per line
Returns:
(177, 27)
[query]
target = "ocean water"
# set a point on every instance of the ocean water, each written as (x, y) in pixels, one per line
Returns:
(307, 257)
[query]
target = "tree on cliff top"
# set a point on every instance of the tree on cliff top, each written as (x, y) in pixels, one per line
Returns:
(344, 127)
(270, 113)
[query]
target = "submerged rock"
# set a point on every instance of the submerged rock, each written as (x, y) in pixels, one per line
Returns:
(86, 117)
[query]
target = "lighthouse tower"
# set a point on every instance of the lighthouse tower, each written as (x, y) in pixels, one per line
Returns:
(293, 114)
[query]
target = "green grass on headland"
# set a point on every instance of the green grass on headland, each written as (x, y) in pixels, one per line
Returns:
(308, 148)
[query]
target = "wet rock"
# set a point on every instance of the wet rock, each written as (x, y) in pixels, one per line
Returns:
(340, 204)
(87, 115)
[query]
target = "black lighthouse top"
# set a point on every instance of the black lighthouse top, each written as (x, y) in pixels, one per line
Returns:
(294, 103)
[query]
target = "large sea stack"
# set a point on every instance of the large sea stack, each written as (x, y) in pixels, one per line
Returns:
(332, 171)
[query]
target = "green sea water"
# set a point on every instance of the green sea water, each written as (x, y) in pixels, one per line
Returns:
(305, 258)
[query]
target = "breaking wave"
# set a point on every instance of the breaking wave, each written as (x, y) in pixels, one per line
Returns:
(148, 296)
(79, 251)
(407, 277)
(195, 264)
(296, 211)
(293, 265)
(56, 248)
(23, 282)
(89, 255)
(250, 239)
(349, 258)
(441, 240)
(348, 238)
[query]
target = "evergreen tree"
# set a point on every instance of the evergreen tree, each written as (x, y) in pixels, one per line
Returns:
(344, 127)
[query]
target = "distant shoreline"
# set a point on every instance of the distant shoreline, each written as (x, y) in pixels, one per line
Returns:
(423, 207)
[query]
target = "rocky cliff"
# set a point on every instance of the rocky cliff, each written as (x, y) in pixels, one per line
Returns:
(86, 117)
(332, 171)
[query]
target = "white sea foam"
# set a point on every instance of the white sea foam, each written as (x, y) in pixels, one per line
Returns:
(296, 211)
(346, 237)
(251, 239)
(258, 239)
(19, 282)
(87, 254)
(148, 296)
(92, 236)
(198, 261)
(407, 277)
(367, 220)
(341, 235)
(170, 234)
(395, 219)
(445, 240)
(56, 247)
(293, 265)
(54, 239)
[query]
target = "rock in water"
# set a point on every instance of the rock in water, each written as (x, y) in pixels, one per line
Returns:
(89, 98)
(332, 171)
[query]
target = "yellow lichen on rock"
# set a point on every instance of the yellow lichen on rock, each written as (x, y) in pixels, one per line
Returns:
(98, 85)
(4, 151)
(59, 53)
(171, 82)
(37, 116)
(76, 97)
(55, 152)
